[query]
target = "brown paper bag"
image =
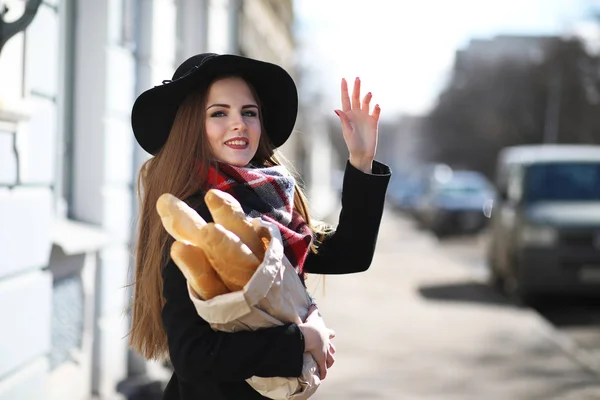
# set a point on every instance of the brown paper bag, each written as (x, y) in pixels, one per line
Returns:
(273, 296)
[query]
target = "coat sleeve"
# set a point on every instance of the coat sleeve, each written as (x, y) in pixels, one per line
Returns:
(350, 248)
(199, 353)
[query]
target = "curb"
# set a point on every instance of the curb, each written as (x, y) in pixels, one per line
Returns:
(566, 344)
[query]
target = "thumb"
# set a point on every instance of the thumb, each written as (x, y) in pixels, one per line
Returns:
(343, 119)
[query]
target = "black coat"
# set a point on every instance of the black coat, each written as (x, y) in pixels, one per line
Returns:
(214, 365)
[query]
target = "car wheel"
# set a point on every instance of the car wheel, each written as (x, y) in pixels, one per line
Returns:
(494, 279)
(439, 228)
(515, 287)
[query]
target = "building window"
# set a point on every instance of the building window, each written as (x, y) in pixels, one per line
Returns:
(128, 15)
(67, 318)
(64, 160)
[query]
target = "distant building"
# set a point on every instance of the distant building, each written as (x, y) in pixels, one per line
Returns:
(529, 49)
(518, 50)
(401, 145)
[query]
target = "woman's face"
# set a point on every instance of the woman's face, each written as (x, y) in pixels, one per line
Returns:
(232, 121)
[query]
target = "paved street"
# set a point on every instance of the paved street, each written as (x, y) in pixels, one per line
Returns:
(576, 318)
(418, 325)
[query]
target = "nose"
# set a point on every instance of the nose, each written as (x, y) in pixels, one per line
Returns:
(238, 124)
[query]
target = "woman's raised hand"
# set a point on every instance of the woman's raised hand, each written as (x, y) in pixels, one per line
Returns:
(359, 126)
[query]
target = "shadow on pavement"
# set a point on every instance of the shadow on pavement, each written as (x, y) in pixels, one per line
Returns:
(570, 311)
(465, 292)
(562, 311)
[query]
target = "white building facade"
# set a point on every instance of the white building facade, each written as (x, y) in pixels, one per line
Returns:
(68, 164)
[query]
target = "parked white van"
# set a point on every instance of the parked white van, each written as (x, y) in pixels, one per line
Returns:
(545, 222)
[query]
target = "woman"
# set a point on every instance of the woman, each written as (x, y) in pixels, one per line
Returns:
(220, 119)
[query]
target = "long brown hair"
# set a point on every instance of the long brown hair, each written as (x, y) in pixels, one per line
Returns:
(176, 169)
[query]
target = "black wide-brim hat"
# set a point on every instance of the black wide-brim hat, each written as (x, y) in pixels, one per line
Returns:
(154, 110)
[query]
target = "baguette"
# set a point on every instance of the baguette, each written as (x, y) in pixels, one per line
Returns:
(213, 257)
(228, 212)
(233, 260)
(197, 270)
(179, 219)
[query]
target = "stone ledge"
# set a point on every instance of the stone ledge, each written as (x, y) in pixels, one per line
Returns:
(13, 110)
(75, 237)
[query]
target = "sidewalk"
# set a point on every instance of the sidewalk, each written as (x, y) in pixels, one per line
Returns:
(417, 326)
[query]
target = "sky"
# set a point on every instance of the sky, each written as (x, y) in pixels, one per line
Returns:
(403, 50)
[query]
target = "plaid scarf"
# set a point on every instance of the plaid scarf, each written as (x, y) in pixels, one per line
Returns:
(268, 193)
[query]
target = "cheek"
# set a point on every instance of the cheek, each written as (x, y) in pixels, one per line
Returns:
(255, 139)
(213, 131)
(255, 130)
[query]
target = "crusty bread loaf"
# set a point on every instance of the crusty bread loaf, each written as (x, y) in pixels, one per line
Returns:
(228, 212)
(197, 270)
(233, 260)
(213, 257)
(179, 219)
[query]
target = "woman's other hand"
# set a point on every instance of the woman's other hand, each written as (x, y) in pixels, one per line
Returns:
(317, 341)
(359, 126)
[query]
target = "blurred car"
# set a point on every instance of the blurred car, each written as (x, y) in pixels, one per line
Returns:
(404, 195)
(455, 202)
(545, 225)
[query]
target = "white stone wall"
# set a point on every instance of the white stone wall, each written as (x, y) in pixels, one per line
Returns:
(103, 174)
(58, 218)
(219, 32)
(27, 132)
(192, 28)
(35, 243)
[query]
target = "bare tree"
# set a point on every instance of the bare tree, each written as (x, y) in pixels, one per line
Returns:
(547, 91)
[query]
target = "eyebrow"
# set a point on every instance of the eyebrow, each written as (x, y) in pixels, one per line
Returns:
(228, 106)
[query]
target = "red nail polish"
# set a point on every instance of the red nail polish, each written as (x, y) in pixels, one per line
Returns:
(336, 112)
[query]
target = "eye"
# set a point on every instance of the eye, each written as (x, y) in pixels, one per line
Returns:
(250, 114)
(217, 114)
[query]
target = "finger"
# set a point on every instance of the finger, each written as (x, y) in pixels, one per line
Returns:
(331, 334)
(356, 95)
(345, 97)
(376, 112)
(330, 360)
(332, 349)
(322, 363)
(346, 127)
(366, 103)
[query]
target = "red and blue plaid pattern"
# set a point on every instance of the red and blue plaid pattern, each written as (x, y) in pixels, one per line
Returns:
(274, 186)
